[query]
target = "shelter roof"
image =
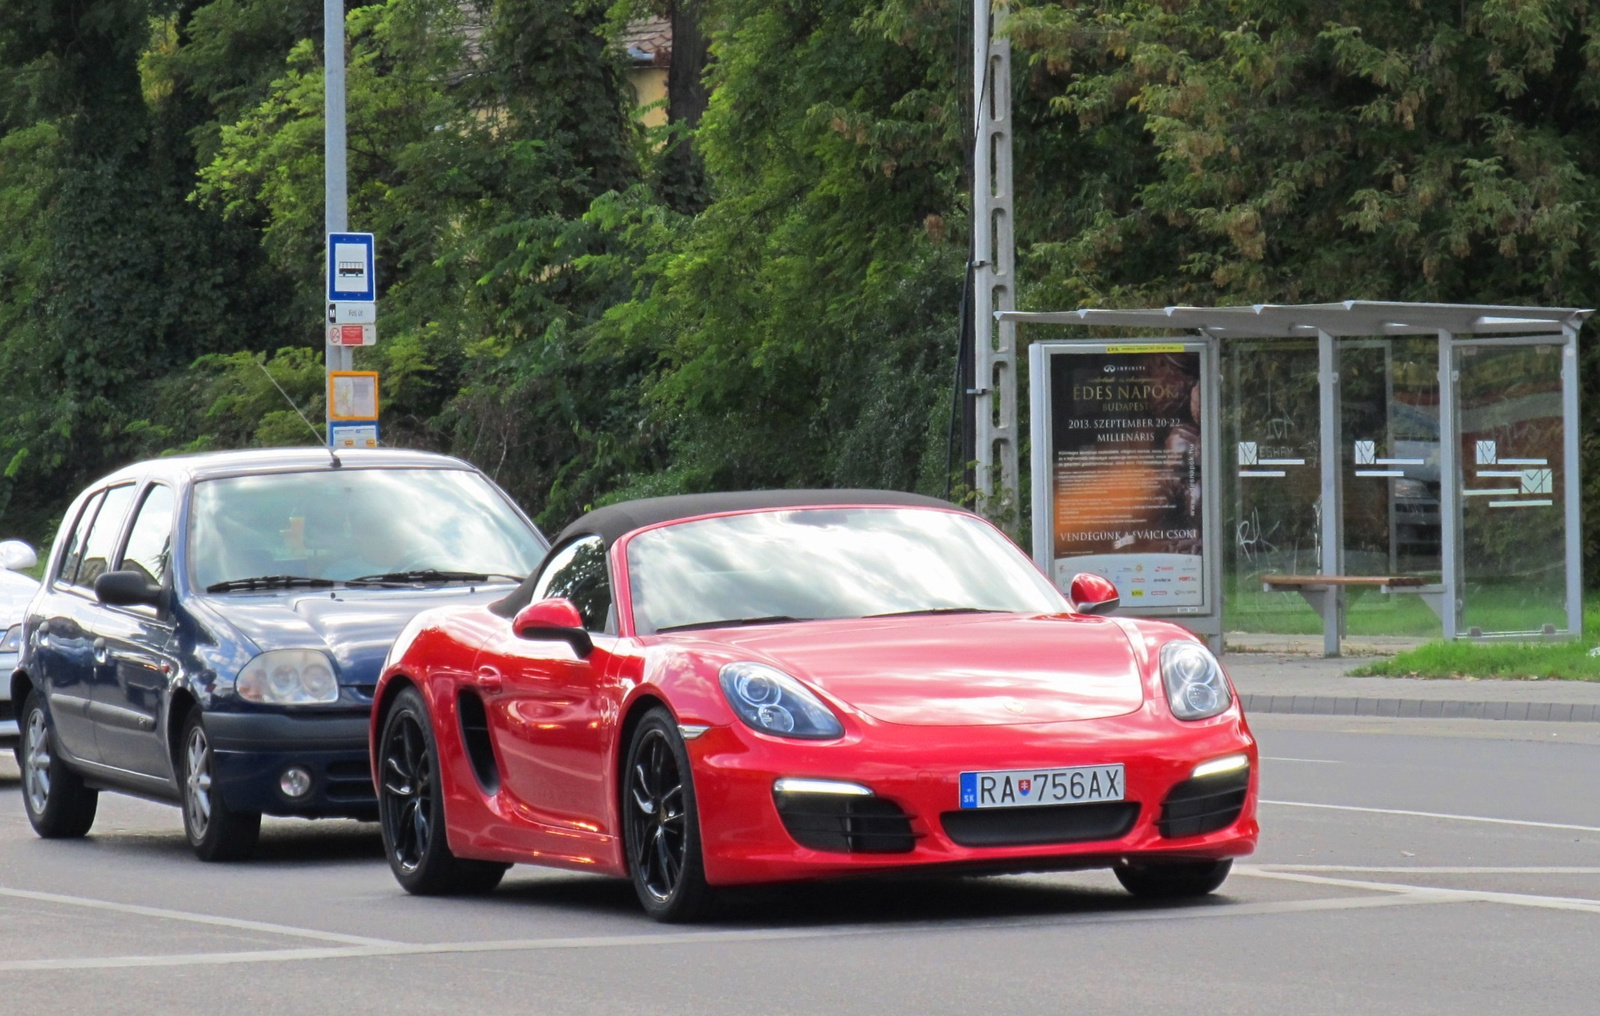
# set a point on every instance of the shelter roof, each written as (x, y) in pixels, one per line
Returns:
(1352, 317)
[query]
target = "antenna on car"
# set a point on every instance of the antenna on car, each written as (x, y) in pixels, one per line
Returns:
(309, 425)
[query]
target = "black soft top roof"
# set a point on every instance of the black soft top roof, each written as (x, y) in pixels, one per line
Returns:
(613, 522)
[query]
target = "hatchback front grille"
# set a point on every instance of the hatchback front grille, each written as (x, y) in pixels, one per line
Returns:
(1204, 804)
(1036, 826)
(349, 782)
(846, 823)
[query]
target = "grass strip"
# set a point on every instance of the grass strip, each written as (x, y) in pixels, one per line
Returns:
(1559, 661)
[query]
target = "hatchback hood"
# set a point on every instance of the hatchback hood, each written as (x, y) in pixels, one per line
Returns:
(355, 626)
(962, 670)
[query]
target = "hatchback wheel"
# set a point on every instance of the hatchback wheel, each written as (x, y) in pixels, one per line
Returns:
(661, 828)
(215, 831)
(411, 809)
(58, 803)
(1173, 880)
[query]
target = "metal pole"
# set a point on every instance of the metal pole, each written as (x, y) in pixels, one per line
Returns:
(1449, 486)
(994, 345)
(1043, 469)
(1328, 388)
(333, 141)
(1571, 425)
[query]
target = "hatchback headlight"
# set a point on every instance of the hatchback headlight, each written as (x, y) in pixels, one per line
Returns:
(1196, 688)
(289, 677)
(775, 703)
(12, 640)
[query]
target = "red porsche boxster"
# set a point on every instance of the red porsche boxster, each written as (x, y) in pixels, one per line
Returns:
(731, 689)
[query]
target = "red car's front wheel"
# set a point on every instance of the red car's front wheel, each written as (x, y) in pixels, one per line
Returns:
(411, 809)
(661, 830)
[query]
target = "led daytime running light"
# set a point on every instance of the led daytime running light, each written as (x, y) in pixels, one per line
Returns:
(1218, 766)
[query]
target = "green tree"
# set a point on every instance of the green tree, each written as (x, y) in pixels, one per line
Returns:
(804, 320)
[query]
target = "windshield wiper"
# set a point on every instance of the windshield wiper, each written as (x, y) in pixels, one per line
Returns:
(734, 622)
(429, 575)
(270, 582)
(939, 610)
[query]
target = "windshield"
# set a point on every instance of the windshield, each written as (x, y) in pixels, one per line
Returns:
(827, 563)
(338, 525)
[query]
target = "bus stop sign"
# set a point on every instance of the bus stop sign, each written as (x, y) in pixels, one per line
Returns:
(351, 276)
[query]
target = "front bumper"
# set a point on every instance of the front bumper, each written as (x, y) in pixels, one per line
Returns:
(252, 750)
(916, 770)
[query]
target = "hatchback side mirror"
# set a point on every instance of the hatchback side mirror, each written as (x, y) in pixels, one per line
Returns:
(127, 589)
(1093, 594)
(553, 619)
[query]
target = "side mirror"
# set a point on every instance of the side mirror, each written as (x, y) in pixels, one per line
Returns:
(1093, 594)
(553, 619)
(17, 556)
(127, 589)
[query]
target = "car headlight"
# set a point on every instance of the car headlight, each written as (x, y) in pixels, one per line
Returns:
(289, 677)
(1196, 688)
(12, 641)
(775, 703)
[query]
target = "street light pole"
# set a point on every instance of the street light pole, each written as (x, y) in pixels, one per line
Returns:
(994, 375)
(334, 175)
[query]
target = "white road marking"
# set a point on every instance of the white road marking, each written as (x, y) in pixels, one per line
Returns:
(705, 937)
(1435, 814)
(1425, 870)
(1576, 903)
(180, 915)
(1319, 761)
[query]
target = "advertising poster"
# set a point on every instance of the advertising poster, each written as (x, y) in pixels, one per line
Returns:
(1125, 472)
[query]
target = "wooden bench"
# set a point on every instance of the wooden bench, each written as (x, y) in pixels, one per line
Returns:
(1323, 593)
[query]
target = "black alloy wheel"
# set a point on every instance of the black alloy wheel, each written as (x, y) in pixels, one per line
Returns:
(58, 804)
(411, 809)
(216, 832)
(661, 829)
(1173, 880)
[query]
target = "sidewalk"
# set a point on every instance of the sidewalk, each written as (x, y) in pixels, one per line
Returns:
(1275, 683)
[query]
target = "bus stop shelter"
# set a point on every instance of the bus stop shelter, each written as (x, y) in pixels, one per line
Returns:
(1251, 455)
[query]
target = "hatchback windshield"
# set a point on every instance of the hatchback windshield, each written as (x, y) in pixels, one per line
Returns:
(827, 563)
(339, 525)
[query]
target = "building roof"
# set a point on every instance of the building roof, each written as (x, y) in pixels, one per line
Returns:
(1352, 317)
(649, 41)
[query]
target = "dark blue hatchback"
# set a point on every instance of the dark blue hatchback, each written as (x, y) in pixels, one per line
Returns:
(211, 628)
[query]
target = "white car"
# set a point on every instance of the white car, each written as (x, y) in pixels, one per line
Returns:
(16, 592)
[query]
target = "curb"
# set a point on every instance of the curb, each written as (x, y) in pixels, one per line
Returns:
(1447, 709)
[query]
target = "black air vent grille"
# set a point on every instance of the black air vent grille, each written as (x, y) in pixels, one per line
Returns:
(1204, 805)
(1022, 827)
(846, 823)
(475, 735)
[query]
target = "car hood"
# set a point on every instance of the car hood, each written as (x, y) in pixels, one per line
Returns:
(355, 626)
(959, 670)
(16, 592)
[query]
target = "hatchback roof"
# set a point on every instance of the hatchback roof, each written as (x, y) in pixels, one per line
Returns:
(210, 465)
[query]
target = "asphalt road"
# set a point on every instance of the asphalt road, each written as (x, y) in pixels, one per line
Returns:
(1407, 866)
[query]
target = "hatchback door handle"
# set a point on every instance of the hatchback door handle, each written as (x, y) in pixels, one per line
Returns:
(489, 679)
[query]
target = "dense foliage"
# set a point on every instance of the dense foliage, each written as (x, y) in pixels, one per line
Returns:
(588, 308)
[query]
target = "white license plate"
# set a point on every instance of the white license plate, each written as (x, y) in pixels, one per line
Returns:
(1020, 788)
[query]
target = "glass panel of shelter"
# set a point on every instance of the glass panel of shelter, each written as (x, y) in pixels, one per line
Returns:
(1271, 480)
(1391, 522)
(1513, 523)
(1512, 528)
